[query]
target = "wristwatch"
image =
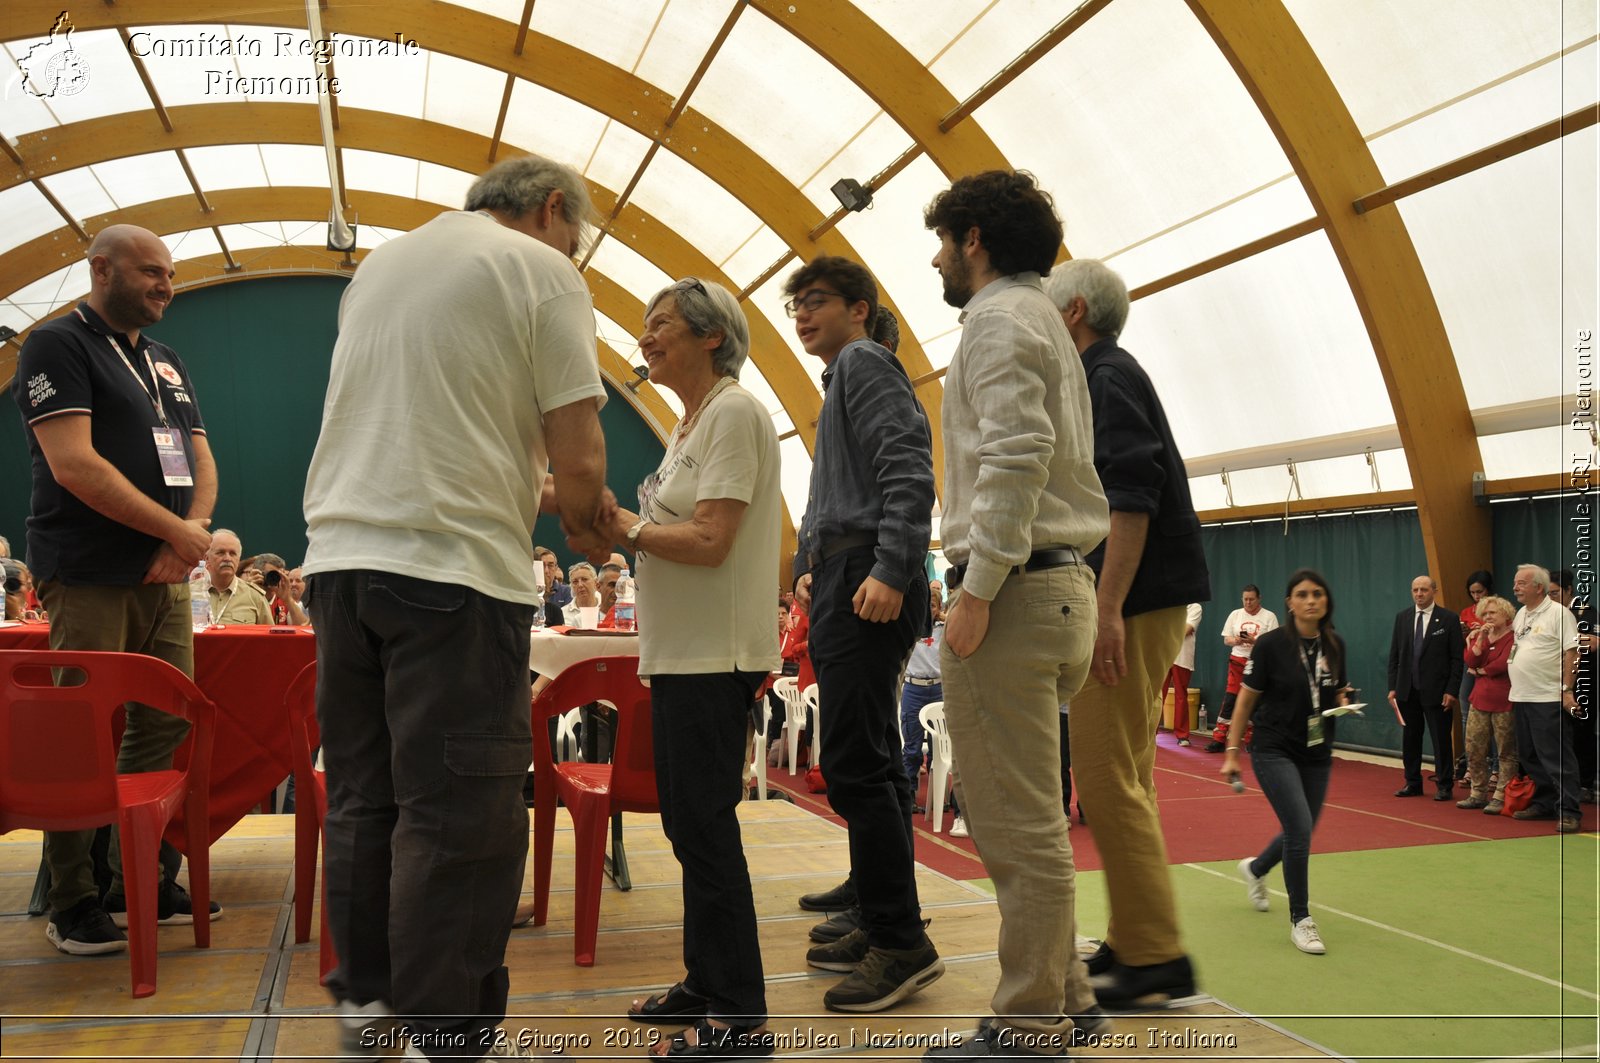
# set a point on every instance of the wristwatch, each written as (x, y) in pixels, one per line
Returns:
(633, 533)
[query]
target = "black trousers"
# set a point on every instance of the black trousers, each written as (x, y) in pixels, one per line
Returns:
(1415, 716)
(699, 724)
(858, 664)
(422, 697)
(1547, 756)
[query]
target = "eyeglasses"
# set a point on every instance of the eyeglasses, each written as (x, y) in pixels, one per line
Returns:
(810, 301)
(690, 284)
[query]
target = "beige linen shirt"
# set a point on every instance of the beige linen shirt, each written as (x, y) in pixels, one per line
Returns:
(1018, 438)
(241, 603)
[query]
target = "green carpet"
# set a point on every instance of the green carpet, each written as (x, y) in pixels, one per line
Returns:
(1510, 924)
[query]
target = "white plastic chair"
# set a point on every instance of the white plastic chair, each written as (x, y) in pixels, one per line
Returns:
(811, 702)
(794, 715)
(758, 753)
(567, 745)
(932, 719)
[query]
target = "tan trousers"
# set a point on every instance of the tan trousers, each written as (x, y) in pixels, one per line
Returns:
(1003, 709)
(1479, 726)
(1113, 762)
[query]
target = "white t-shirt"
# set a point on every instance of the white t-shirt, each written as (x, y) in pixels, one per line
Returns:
(1255, 624)
(1186, 652)
(1543, 635)
(454, 341)
(698, 620)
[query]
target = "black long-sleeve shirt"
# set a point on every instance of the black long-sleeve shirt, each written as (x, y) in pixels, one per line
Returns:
(872, 472)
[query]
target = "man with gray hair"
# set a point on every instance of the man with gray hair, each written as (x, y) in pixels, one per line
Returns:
(1541, 666)
(464, 376)
(1149, 568)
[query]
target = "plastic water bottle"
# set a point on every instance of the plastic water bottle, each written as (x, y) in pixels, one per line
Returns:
(200, 598)
(626, 614)
(1204, 724)
(539, 590)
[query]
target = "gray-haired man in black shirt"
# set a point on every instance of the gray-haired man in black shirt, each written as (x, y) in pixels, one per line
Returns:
(860, 571)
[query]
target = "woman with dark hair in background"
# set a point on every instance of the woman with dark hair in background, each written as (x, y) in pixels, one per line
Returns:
(1295, 674)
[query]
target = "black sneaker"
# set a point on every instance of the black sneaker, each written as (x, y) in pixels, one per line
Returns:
(1153, 985)
(85, 930)
(885, 977)
(1214, 746)
(837, 899)
(837, 927)
(842, 955)
(174, 907)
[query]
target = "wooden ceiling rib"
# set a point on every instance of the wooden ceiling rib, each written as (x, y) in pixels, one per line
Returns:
(1278, 67)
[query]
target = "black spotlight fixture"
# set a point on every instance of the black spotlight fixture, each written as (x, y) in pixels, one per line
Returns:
(852, 195)
(641, 374)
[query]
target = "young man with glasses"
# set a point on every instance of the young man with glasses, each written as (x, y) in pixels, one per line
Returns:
(859, 572)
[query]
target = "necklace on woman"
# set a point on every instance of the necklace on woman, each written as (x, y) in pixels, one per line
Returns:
(686, 425)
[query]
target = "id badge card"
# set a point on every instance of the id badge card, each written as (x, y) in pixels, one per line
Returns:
(174, 462)
(1314, 730)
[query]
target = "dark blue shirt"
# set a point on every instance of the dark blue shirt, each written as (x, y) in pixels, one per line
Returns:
(68, 367)
(1142, 472)
(872, 472)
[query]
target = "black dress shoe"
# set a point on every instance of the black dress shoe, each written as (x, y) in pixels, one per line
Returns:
(1442, 794)
(1153, 985)
(837, 899)
(1409, 791)
(1214, 746)
(837, 927)
(1100, 960)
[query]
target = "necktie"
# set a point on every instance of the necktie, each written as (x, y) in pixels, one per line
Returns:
(1416, 646)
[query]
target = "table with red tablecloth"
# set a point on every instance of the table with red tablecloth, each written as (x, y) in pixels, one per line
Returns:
(245, 670)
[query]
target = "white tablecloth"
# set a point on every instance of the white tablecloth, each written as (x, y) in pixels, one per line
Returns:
(550, 653)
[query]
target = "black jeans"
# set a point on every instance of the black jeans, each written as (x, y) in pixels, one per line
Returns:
(423, 701)
(1415, 714)
(858, 664)
(1547, 756)
(699, 723)
(1295, 789)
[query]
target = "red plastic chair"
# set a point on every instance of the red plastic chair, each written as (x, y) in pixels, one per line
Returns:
(310, 811)
(591, 792)
(58, 772)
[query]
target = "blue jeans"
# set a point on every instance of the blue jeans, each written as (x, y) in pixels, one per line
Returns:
(912, 699)
(422, 697)
(1295, 790)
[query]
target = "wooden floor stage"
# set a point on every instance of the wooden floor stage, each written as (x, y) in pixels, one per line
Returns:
(254, 995)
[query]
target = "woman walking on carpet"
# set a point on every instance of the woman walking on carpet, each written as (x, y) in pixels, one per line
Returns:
(1296, 673)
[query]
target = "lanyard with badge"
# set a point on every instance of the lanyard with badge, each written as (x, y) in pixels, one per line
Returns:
(1315, 667)
(169, 443)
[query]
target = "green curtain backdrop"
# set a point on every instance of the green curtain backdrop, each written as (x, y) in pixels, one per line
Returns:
(258, 351)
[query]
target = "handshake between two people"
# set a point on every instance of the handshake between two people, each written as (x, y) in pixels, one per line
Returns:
(607, 529)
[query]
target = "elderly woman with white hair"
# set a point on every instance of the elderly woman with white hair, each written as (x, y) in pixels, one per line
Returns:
(707, 538)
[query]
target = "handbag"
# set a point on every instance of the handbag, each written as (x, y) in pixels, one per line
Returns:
(1519, 795)
(814, 780)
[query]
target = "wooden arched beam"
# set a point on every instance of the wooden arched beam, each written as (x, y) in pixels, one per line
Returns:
(52, 251)
(1282, 73)
(880, 66)
(571, 72)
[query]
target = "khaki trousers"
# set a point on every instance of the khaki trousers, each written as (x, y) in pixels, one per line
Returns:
(1003, 709)
(1113, 762)
(1480, 725)
(152, 619)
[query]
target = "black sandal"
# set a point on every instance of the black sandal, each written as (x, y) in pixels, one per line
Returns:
(722, 1042)
(679, 1002)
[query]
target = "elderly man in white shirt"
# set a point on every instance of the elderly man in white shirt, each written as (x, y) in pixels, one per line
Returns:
(1541, 666)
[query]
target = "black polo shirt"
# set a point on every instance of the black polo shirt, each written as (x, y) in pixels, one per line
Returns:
(1277, 672)
(69, 367)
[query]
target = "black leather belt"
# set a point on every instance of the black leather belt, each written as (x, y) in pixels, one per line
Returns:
(1050, 557)
(838, 546)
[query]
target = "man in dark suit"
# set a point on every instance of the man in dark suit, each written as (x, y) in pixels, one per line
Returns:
(1425, 661)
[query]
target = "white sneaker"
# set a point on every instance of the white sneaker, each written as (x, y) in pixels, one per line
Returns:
(369, 1032)
(1255, 888)
(1306, 938)
(958, 827)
